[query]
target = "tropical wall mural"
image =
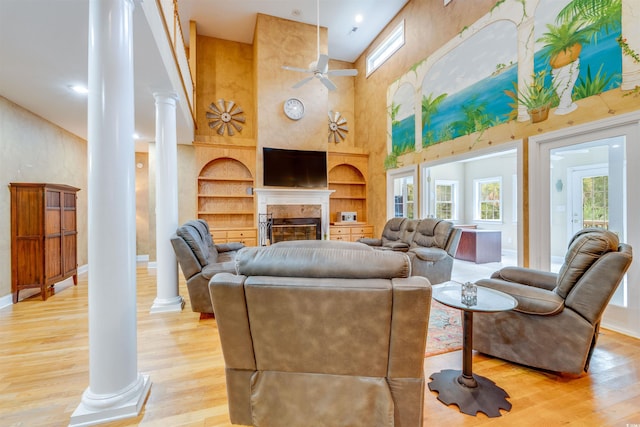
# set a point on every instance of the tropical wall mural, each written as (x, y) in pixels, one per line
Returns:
(525, 58)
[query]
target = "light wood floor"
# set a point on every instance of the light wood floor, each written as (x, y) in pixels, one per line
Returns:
(44, 370)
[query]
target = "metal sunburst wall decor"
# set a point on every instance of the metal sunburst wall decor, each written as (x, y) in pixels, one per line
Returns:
(225, 116)
(337, 127)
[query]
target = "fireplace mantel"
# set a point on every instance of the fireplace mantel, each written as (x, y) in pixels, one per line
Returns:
(295, 196)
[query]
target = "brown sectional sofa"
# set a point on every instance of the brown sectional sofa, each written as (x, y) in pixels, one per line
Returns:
(200, 259)
(431, 244)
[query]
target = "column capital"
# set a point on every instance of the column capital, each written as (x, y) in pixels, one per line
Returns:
(166, 97)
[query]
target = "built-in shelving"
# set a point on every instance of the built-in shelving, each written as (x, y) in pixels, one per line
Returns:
(225, 194)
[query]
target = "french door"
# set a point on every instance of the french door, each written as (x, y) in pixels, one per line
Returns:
(585, 176)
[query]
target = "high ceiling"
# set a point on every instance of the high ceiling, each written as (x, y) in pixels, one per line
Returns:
(43, 47)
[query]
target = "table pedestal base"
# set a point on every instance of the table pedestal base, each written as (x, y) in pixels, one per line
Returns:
(485, 397)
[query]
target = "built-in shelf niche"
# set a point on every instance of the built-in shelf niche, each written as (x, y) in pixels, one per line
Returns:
(225, 194)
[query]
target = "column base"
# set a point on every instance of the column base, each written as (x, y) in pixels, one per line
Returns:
(165, 305)
(92, 411)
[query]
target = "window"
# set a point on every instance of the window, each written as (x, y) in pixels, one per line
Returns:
(388, 47)
(404, 198)
(401, 193)
(488, 199)
(446, 197)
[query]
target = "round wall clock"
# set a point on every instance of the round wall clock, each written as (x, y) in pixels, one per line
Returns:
(293, 108)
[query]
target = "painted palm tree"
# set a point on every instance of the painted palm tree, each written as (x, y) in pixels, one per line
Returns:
(599, 14)
(429, 109)
(578, 23)
(393, 113)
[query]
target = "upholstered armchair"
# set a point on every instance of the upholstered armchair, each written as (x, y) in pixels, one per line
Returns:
(200, 259)
(326, 336)
(432, 249)
(555, 325)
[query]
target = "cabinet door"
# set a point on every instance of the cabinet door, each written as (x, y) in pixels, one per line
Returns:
(53, 235)
(69, 233)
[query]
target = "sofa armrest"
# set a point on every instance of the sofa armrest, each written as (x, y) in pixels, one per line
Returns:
(229, 304)
(189, 264)
(454, 241)
(231, 246)
(527, 276)
(370, 241)
(429, 254)
(531, 300)
(409, 323)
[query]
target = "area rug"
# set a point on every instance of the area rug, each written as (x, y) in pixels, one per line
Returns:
(445, 329)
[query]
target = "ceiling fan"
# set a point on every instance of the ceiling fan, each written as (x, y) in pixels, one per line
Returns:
(320, 67)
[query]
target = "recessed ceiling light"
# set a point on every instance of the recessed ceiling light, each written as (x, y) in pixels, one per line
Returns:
(359, 18)
(79, 89)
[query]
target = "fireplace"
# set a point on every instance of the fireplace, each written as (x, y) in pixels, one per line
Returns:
(297, 214)
(284, 229)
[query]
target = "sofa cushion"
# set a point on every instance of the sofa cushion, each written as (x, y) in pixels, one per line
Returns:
(391, 232)
(225, 265)
(191, 235)
(432, 232)
(531, 300)
(585, 248)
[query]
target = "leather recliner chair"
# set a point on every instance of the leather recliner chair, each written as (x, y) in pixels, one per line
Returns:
(555, 325)
(200, 259)
(325, 336)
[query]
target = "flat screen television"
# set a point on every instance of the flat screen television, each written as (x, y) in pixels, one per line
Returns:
(294, 168)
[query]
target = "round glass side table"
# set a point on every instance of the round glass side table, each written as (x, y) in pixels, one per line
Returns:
(470, 392)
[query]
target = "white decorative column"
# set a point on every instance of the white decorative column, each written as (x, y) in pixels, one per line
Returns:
(167, 297)
(116, 388)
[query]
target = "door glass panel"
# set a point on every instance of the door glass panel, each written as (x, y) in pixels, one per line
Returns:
(587, 190)
(404, 197)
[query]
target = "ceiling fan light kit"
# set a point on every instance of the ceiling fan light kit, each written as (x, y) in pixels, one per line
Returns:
(225, 116)
(320, 68)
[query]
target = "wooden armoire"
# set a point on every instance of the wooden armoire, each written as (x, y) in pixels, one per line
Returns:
(43, 236)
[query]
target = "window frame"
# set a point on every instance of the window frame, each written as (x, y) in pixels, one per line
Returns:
(400, 173)
(454, 197)
(477, 184)
(385, 50)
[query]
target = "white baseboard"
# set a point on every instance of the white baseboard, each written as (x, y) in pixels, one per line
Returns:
(6, 301)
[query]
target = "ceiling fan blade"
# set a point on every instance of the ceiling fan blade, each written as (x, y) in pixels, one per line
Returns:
(323, 63)
(230, 130)
(212, 115)
(350, 72)
(221, 129)
(301, 70)
(302, 82)
(328, 83)
(230, 105)
(240, 119)
(342, 135)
